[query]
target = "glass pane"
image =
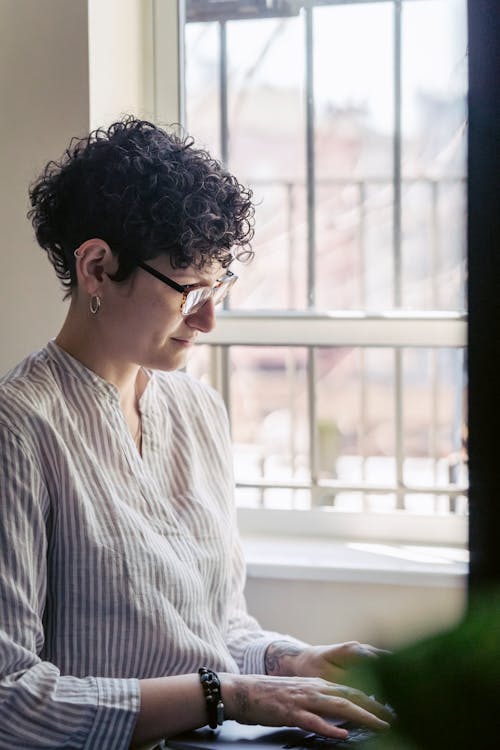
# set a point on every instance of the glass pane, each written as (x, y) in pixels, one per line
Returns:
(356, 428)
(266, 152)
(276, 278)
(265, 94)
(202, 84)
(434, 419)
(355, 415)
(353, 62)
(354, 113)
(269, 414)
(434, 82)
(353, 90)
(354, 245)
(199, 363)
(265, 98)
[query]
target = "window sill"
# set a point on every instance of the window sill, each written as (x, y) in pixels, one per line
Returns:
(298, 558)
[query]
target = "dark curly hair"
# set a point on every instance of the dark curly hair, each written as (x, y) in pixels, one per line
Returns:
(145, 192)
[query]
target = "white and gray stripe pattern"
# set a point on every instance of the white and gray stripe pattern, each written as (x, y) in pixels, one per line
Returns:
(113, 567)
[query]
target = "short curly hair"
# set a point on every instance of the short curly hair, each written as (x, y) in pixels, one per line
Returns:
(145, 192)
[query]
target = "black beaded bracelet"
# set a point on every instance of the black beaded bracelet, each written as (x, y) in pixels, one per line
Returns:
(211, 689)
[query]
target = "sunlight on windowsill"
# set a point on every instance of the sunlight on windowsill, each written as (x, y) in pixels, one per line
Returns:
(363, 562)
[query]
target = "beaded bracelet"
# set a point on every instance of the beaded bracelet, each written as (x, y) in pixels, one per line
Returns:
(211, 689)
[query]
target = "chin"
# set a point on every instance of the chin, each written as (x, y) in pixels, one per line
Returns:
(168, 362)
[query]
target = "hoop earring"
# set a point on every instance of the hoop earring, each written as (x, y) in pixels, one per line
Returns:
(95, 304)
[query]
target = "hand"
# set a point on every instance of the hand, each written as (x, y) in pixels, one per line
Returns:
(308, 703)
(286, 658)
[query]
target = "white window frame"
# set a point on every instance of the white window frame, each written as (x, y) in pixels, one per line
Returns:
(310, 329)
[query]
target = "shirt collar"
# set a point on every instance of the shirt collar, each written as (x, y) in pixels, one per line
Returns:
(83, 374)
(77, 370)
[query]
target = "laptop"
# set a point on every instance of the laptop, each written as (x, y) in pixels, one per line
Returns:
(234, 736)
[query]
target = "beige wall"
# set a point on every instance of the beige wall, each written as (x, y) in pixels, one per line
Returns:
(43, 98)
(329, 612)
(120, 59)
(65, 66)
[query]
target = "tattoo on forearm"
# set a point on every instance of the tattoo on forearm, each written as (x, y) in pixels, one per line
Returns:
(275, 657)
(242, 702)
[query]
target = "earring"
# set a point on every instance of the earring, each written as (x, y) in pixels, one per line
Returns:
(95, 304)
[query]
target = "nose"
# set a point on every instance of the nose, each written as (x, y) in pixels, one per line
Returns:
(203, 320)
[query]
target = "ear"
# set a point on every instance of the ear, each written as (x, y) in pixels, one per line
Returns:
(94, 261)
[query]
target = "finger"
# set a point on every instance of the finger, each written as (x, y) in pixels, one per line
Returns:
(313, 723)
(363, 702)
(373, 650)
(357, 652)
(347, 710)
(344, 654)
(333, 673)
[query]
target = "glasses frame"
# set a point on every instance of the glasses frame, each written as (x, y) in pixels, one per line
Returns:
(185, 289)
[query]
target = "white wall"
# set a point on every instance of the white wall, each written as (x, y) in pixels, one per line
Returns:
(43, 99)
(385, 615)
(120, 59)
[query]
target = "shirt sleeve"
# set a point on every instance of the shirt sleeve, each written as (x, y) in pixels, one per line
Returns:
(39, 707)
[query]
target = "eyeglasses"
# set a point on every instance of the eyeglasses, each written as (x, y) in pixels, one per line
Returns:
(194, 296)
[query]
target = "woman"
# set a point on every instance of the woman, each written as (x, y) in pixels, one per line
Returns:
(122, 573)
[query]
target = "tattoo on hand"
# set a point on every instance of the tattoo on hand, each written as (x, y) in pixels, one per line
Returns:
(275, 657)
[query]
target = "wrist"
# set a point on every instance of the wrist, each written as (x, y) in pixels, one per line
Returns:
(282, 659)
(232, 692)
(211, 686)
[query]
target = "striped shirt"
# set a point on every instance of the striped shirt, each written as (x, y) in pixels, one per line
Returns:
(113, 566)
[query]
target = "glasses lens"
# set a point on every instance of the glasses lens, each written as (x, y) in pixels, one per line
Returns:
(221, 292)
(196, 299)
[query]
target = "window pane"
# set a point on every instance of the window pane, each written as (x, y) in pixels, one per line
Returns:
(354, 115)
(434, 116)
(355, 415)
(202, 84)
(266, 151)
(434, 405)
(269, 414)
(265, 147)
(265, 98)
(353, 90)
(354, 119)
(356, 429)
(199, 364)
(276, 278)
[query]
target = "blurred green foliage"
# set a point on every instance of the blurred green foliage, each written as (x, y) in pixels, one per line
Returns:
(445, 689)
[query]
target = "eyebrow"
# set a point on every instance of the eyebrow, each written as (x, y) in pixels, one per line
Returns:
(205, 281)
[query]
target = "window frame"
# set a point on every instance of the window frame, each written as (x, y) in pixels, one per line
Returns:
(395, 328)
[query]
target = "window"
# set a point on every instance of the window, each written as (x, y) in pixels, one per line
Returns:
(341, 357)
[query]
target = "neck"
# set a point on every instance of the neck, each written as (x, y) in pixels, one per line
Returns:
(85, 346)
